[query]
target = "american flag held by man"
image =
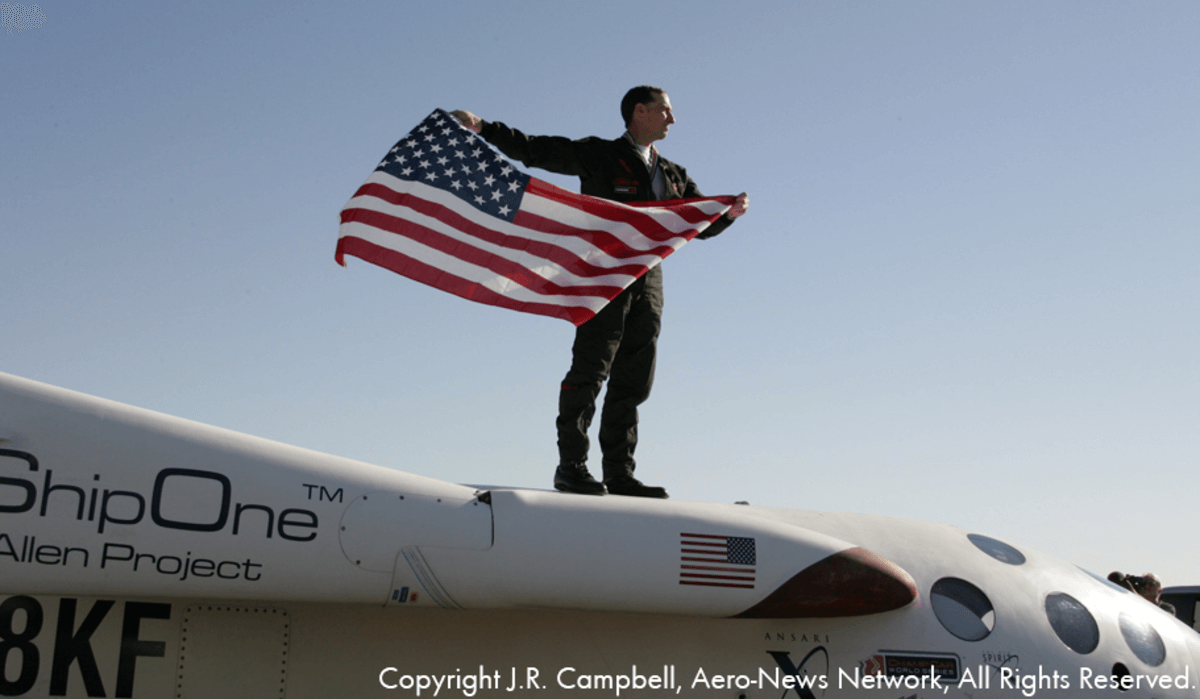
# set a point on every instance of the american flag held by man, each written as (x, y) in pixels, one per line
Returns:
(444, 209)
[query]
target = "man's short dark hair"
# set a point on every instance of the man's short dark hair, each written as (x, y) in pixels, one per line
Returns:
(642, 94)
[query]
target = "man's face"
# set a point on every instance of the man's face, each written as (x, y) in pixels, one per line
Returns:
(655, 118)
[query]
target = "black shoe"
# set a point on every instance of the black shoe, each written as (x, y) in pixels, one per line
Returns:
(574, 478)
(628, 485)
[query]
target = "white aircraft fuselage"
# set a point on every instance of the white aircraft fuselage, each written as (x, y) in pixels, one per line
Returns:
(147, 556)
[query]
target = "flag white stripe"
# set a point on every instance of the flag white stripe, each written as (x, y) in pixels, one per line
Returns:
(668, 219)
(577, 247)
(473, 273)
(547, 269)
(557, 211)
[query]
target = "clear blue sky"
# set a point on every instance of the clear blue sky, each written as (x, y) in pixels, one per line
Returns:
(966, 290)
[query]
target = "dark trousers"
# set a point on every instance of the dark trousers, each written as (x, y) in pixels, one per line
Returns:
(618, 344)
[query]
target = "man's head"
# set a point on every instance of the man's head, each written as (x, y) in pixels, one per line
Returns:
(647, 113)
(1147, 586)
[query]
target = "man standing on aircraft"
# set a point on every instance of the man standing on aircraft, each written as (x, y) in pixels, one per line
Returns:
(619, 343)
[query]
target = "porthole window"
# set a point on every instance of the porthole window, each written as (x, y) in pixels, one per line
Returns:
(1143, 640)
(962, 608)
(1072, 623)
(997, 549)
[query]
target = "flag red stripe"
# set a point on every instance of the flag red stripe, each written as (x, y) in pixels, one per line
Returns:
(609, 243)
(559, 255)
(714, 584)
(690, 575)
(419, 271)
(645, 224)
(472, 255)
(724, 200)
(727, 570)
(706, 536)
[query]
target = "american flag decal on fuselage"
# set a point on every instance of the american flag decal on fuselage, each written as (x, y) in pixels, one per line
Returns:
(716, 561)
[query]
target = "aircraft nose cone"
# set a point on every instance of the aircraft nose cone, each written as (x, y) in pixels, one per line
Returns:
(852, 582)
